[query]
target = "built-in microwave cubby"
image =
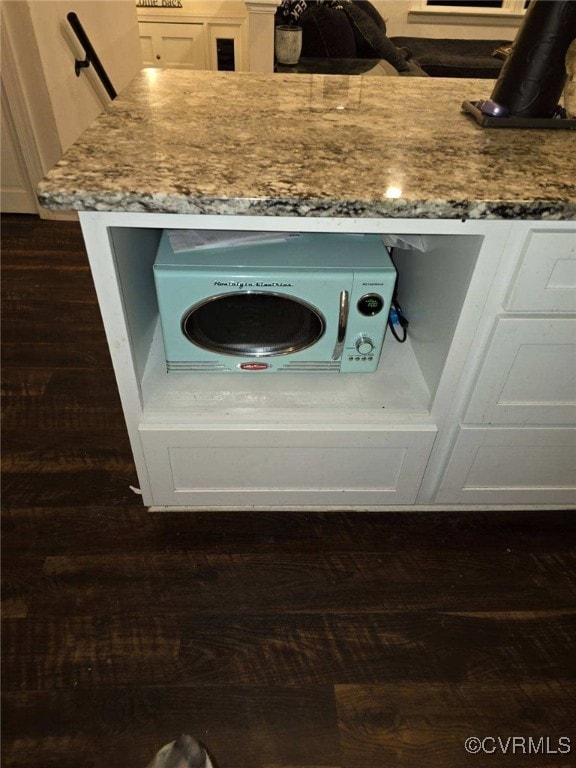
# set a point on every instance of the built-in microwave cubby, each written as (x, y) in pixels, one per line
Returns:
(295, 439)
(433, 281)
(463, 411)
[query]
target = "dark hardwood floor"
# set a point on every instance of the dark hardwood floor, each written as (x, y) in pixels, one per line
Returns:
(282, 640)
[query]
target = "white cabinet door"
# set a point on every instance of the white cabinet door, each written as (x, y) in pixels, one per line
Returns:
(529, 374)
(511, 466)
(286, 467)
(546, 279)
(175, 46)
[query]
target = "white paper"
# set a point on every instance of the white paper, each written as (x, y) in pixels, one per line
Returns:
(194, 239)
(405, 242)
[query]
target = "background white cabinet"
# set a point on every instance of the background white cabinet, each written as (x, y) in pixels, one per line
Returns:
(517, 439)
(176, 46)
(190, 41)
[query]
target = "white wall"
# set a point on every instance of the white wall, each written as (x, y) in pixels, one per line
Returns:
(16, 195)
(112, 26)
(30, 137)
(401, 23)
(47, 105)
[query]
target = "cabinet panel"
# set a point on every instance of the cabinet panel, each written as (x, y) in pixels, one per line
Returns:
(273, 467)
(147, 48)
(546, 280)
(177, 46)
(529, 374)
(511, 466)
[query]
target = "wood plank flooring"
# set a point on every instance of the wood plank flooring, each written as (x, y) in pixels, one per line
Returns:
(283, 640)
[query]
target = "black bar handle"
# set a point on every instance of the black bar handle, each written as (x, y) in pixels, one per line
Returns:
(91, 55)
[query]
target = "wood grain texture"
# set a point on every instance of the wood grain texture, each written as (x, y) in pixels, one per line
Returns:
(282, 640)
(361, 583)
(407, 725)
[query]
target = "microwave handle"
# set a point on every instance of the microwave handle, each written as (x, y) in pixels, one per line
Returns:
(342, 323)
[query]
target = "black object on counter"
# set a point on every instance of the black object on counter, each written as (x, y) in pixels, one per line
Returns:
(533, 76)
(473, 108)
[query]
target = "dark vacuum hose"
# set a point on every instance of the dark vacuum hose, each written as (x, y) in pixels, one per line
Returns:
(533, 76)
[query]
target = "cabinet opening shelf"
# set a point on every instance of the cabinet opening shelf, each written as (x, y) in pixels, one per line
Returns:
(433, 280)
(396, 389)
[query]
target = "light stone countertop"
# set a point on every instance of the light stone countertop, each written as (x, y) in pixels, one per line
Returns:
(181, 141)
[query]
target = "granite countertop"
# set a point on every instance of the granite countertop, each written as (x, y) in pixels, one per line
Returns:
(181, 141)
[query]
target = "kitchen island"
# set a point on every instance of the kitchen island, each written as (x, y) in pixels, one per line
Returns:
(478, 407)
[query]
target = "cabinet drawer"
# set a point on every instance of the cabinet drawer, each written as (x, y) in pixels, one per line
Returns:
(546, 279)
(529, 374)
(240, 467)
(511, 466)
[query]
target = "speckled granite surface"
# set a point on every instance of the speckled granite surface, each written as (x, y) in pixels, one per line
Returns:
(311, 145)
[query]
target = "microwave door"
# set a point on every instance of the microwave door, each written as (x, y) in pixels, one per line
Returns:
(253, 324)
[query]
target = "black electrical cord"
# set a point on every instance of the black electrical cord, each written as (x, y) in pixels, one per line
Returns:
(397, 309)
(401, 321)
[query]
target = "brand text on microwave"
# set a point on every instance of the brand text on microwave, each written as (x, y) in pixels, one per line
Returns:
(258, 284)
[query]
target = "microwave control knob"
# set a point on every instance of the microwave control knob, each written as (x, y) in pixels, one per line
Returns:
(364, 345)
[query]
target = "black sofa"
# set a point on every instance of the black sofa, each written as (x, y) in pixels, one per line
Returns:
(455, 57)
(337, 29)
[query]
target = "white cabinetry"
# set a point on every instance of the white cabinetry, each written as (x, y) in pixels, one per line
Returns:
(546, 277)
(528, 375)
(300, 467)
(176, 46)
(475, 408)
(517, 442)
(197, 35)
(511, 466)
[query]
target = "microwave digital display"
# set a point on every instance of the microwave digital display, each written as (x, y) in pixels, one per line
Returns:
(311, 303)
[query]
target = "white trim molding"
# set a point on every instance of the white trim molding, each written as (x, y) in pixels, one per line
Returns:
(261, 34)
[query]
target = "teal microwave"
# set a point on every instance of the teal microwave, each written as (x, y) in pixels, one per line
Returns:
(306, 303)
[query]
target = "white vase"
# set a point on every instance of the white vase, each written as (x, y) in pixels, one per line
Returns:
(287, 44)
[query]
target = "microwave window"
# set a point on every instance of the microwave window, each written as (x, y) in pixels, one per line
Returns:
(253, 324)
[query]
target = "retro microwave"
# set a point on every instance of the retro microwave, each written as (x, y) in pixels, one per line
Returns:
(308, 303)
